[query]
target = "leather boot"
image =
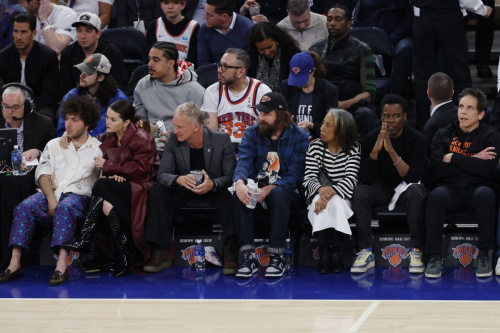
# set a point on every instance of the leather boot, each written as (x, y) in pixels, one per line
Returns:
(81, 243)
(324, 265)
(337, 261)
(119, 238)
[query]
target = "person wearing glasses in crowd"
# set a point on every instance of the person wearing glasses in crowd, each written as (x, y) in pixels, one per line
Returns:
(230, 103)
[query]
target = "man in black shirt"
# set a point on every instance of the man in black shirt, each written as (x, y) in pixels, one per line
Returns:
(191, 147)
(88, 31)
(391, 158)
(464, 157)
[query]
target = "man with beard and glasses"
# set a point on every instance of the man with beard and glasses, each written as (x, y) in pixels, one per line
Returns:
(272, 154)
(32, 64)
(96, 82)
(230, 103)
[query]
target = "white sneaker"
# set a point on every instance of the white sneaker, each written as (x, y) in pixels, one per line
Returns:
(497, 268)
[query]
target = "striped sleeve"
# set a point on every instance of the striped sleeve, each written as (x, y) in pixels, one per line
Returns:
(313, 160)
(345, 187)
(367, 73)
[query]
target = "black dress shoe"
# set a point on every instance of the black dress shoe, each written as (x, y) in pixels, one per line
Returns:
(324, 265)
(9, 276)
(59, 278)
(337, 262)
(484, 72)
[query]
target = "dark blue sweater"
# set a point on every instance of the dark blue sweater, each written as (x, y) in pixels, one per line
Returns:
(212, 44)
(393, 16)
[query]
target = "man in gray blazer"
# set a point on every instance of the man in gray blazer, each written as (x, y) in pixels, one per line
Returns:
(190, 150)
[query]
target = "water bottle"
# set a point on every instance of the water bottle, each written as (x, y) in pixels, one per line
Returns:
(24, 166)
(199, 254)
(16, 159)
(288, 255)
(253, 192)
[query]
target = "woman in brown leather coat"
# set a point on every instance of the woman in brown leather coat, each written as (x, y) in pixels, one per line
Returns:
(130, 163)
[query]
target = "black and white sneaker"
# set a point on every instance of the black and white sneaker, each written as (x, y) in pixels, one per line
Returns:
(249, 266)
(276, 266)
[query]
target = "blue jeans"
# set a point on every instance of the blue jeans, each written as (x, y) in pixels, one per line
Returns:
(403, 65)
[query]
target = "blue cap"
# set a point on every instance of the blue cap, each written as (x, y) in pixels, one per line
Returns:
(301, 65)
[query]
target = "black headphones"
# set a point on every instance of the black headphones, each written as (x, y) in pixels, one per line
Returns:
(29, 105)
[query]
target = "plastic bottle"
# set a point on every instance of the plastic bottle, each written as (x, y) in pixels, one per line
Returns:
(199, 253)
(288, 255)
(16, 159)
(253, 192)
(24, 166)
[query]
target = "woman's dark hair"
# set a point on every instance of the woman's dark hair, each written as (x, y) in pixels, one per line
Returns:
(346, 130)
(108, 88)
(83, 107)
(26, 17)
(319, 66)
(264, 30)
(124, 108)
(482, 100)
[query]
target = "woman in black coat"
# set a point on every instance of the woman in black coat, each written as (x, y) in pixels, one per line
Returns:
(270, 49)
(309, 96)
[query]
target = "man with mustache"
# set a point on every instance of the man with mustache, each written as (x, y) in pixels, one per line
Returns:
(272, 154)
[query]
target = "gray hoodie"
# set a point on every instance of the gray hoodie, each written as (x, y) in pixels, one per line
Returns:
(315, 31)
(155, 101)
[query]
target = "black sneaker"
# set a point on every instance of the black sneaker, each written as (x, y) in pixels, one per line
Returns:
(484, 268)
(433, 269)
(325, 261)
(484, 71)
(276, 266)
(337, 262)
(249, 266)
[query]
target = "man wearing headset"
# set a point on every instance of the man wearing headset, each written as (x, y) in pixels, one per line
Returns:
(33, 129)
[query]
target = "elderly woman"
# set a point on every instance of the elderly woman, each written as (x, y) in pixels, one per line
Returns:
(332, 164)
(270, 49)
(130, 164)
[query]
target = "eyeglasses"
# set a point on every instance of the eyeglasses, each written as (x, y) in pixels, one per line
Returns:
(225, 67)
(14, 108)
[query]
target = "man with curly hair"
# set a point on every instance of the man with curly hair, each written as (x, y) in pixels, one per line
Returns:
(65, 177)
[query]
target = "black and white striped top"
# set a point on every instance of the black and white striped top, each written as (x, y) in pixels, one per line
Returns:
(341, 168)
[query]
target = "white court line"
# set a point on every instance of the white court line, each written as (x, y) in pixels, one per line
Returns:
(364, 316)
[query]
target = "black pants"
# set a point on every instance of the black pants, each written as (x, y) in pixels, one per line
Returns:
(366, 197)
(280, 203)
(485, 33)
(164, 201)
(447, 199)
(331, 238)
(438, 30)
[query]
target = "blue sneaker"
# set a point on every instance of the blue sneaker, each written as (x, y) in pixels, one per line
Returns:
(365, 260)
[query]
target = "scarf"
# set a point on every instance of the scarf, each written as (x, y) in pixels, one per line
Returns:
(271, 78)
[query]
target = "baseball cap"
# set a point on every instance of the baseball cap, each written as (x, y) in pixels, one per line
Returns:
(95, 63)
(301, 66)
(272, 101)
(88, 19)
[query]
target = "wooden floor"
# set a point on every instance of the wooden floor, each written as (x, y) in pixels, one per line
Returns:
(74, 315)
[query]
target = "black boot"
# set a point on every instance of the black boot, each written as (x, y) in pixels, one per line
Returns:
(122, 257)
(81, 243)
(324, 264)
(337, 261)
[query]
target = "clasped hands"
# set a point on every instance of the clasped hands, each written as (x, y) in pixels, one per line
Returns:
(325, 193)
(189, 182)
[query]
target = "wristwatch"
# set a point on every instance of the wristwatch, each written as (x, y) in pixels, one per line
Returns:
(216, 186)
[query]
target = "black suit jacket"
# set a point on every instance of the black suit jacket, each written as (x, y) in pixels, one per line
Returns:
(442, 117)
(38, 130)
(325, 97)
(218, 151)
(41, 72)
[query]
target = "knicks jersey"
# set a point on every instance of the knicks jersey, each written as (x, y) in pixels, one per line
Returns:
(181, 41)
(235, 113)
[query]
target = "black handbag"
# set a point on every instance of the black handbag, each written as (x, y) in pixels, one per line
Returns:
(323, 177)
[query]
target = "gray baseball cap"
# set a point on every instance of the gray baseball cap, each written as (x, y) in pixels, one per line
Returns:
(95, 63)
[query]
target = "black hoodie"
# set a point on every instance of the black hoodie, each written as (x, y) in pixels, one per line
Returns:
(464, 171)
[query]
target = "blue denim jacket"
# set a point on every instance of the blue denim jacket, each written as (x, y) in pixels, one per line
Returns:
(292, 148)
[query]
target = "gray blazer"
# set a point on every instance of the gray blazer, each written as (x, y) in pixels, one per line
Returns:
(220, 161)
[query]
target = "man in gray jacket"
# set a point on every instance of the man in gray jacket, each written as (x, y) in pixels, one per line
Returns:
(197, 163)
(157, 95)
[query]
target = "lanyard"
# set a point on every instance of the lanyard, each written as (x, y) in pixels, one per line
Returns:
(138, 11)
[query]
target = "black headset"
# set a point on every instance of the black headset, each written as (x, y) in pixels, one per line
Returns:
(29, 105)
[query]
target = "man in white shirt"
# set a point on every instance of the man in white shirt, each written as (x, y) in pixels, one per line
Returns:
(66, 178)
(53, 23)
(230, 103)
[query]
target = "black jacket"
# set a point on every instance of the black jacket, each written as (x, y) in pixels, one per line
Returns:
(273, 10)
(126, 12)
(73, 55)
(495, 114)
(442, 117)
(190, 8)
(325, 97)
(41, 72)
(38, 130)
(464, 171)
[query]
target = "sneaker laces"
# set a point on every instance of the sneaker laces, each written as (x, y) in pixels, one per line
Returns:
(482, 261)
(274, 261)
(415, 256)
(362, 255)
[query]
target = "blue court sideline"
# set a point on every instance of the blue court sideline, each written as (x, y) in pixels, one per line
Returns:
(381, 283)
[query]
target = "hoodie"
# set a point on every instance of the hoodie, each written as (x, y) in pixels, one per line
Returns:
(315, 31)
(464, 171)
(155, 101)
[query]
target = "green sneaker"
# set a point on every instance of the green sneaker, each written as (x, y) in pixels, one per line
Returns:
(365, 260)
(416, 265)
(484, 268)
(433, 269)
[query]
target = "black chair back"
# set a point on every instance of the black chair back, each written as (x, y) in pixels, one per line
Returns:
(376, 38)
(207, 75)
(136, 76)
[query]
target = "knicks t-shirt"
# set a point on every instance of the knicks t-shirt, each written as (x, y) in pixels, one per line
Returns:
(235, 112)
(270, 171)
